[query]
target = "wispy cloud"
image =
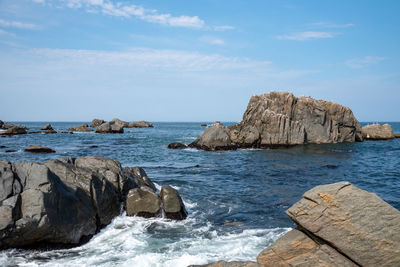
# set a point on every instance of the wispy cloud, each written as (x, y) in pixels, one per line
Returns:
(223, 28)
(121, 9)
(17, 24)
(212, 40)
(3, 32)
(358, 63)
(324, 24)
(303, 36)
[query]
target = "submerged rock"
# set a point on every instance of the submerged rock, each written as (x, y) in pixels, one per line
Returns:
(281, 119)
(378, 132)
(177, 145)
(15, 130)
(140, 124)
(96, 122)
(39, 149)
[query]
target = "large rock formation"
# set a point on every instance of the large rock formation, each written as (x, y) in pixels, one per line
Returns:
(96, 122)
(139, 124)
(377, 132)
(15, 130)
(110, 127)
(63, 201)
(338, 225)
(281, 119)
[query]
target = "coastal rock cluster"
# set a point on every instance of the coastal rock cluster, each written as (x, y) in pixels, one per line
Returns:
(63, 201)
(338, 225)
(378, 132)
(281, 119)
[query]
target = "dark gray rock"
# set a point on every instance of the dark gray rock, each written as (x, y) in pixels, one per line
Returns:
(96, 122)
(39, 149)
(110, 127)
(172, 203)
(177, 145)
(1, 124)
(378, 132)
(281, 119)
(139, 124)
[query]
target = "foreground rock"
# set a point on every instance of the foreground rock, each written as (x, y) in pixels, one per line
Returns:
(338, 225)
(96, 122)
(281, 119)
(61, 202)
(172, 203)
(83, 128)
(14, 131)
(378, 132)
(1, 124)
(177, 146)
(140, 124)
(110, 127)
(39, 149)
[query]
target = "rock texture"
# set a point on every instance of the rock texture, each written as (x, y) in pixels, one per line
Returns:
(83, 128)
(47, 127)
(377, 132)
(338, 225)
(110, 127)
(281, 119)
(96, 122)
(139, 124)
(14, 130)
(172, 203)
(39, 149)
(177, 146)
(63, 201)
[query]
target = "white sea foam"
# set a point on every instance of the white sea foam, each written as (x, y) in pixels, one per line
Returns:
(134, 241)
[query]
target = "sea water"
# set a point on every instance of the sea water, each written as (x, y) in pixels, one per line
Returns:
(236, 199)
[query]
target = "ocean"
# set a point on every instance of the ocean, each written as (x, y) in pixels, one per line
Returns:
(236, 200)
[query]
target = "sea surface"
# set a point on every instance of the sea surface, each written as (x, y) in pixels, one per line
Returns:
(236, 199)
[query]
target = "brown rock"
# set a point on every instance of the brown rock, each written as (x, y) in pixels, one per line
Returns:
(47, 127)
(177, 145)
(96, 122)
(14, 131)
(396, 135)
(83, 128)
(378, 132)
(143, 203)
(172, 203)
(39, 149)
(140, 124)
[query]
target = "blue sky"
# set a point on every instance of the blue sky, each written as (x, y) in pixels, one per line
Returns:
(73, 60)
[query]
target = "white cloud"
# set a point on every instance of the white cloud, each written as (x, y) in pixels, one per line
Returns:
(223, 28)
(3, 32)
(323, 24)
(302, 36)
(120, 9)
(358, 63)
(212, 40)
(17, 24)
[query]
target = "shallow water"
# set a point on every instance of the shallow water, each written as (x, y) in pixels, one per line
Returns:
(236, 199)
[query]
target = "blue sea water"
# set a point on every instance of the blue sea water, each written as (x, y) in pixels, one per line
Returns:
(236, 199)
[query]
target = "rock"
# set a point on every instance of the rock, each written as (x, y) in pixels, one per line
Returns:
(177, 146)
(141, 178)
(10, 151)
(203, 125)
(2, 146)
(14, 131)
(1, 124)
(359, 224)
(119, 123)
(39, 149)
(396, 135)
(96, 122)
(47, 127)
(110, 127)
(172, 203)
(8, 125)
(83, 128)
(139, 124)
(64, 201)
(281, 119)
(143, 203)
(297, 249)
(378, 132)
(216, 137)
(229, 264)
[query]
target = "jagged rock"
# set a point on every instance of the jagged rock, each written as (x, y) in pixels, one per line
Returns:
(143, 203)
(281, 119)
(378, 132)
(110, 127)
(297, 249)
(177, 146)
(39, 149)
(142, 179)
(96, 122)
(139, 124)
(229, 264)
(47, 127)
(14, 131)
(62, 201)
(172, 203)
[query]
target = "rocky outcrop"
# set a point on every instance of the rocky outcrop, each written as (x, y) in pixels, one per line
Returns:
(47, 127)
(63, 201)
(39, 149)
(177, 145)
(83, 128)
(338, 225)
(15, 130)
(377, 132)
(172, 203)
(110, 127)
(281, 119)
(140, 124)
(96, 122)
(119, 123)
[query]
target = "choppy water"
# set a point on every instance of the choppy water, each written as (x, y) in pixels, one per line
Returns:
(236, 199)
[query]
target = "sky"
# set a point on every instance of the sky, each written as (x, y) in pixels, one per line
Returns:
(75, 60)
